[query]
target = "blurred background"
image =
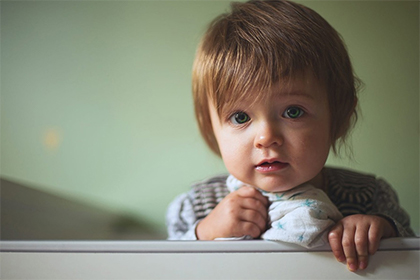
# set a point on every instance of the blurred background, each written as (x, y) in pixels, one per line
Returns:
(97, 126)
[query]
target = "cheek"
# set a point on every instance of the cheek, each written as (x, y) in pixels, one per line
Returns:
(233, 151)
(227, 147)
(321, 148)
(313, 144)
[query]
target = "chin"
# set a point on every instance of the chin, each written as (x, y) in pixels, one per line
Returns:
(279, 187)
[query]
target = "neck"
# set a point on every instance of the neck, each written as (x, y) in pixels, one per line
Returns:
(319, 181)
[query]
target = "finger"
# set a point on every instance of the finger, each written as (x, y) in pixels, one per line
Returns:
(254, 204)
(250, 192)
(349, 248)
(362, 246)
(254, 217)
(334, 237)
(374, 235)
(248, 228)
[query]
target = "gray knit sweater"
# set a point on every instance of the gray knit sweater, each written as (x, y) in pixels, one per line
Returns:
(352, 193)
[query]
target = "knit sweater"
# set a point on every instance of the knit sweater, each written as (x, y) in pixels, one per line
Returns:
(352, 193)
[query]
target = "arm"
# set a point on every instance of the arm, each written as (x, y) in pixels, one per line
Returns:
(181, 220)
(386, 205)
(356, 237)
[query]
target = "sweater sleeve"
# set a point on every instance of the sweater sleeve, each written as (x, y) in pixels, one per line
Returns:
(386, 204)
(181, 220)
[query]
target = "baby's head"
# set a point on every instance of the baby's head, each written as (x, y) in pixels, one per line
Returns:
(262, 43)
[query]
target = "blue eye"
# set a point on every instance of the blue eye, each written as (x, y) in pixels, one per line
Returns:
(239, 118)
(293, 113)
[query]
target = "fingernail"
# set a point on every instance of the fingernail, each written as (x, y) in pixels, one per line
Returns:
(341, 258)
(352, 266)
(362, 265)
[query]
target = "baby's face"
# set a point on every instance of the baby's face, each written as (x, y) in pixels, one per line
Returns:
(280, 143)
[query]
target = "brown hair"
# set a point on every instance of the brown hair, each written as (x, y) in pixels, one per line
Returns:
(260, 42)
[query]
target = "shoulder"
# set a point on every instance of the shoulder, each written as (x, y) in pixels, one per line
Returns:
(358, 193)
(214, 186)
(351, 191)
(351, 181)
(348, 177)
(219, 180)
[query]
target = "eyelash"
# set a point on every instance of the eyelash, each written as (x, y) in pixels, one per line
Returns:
(234, 121)
(286, 114)
(301, 112)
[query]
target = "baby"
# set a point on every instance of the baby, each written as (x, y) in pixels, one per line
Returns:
(274, 91)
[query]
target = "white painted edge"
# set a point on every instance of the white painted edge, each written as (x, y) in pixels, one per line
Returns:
(257, 246)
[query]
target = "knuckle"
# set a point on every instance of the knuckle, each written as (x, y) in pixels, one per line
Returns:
(253, 230)
(252, 215)
(253, 203)
(260, 207)
(245, 190)
(362, 257)
(333, 234)
(231, 201)
(231, 211)
(359, 241)
(259, 204)
(374, 239)
(251, 191)
(347, 243)
(258, 219)
(239, 191)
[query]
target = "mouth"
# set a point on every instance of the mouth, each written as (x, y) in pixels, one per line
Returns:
(270, 166)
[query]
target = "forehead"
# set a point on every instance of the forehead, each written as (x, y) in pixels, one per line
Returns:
(303, 85)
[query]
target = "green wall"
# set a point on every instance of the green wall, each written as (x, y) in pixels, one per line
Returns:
(96, 98)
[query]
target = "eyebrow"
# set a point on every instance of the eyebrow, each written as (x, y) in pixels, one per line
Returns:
(298, 93)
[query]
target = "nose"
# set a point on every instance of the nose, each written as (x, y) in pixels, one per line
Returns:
(268, 134)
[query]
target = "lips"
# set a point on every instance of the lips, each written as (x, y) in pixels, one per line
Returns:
(270, 166)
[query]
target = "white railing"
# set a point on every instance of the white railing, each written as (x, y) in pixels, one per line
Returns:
(397, 258)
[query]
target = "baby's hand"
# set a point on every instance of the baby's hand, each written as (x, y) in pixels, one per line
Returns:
(242, 212)
(356, 237)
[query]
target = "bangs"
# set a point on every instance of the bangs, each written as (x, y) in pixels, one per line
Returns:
(244, 57)
(249, 78)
